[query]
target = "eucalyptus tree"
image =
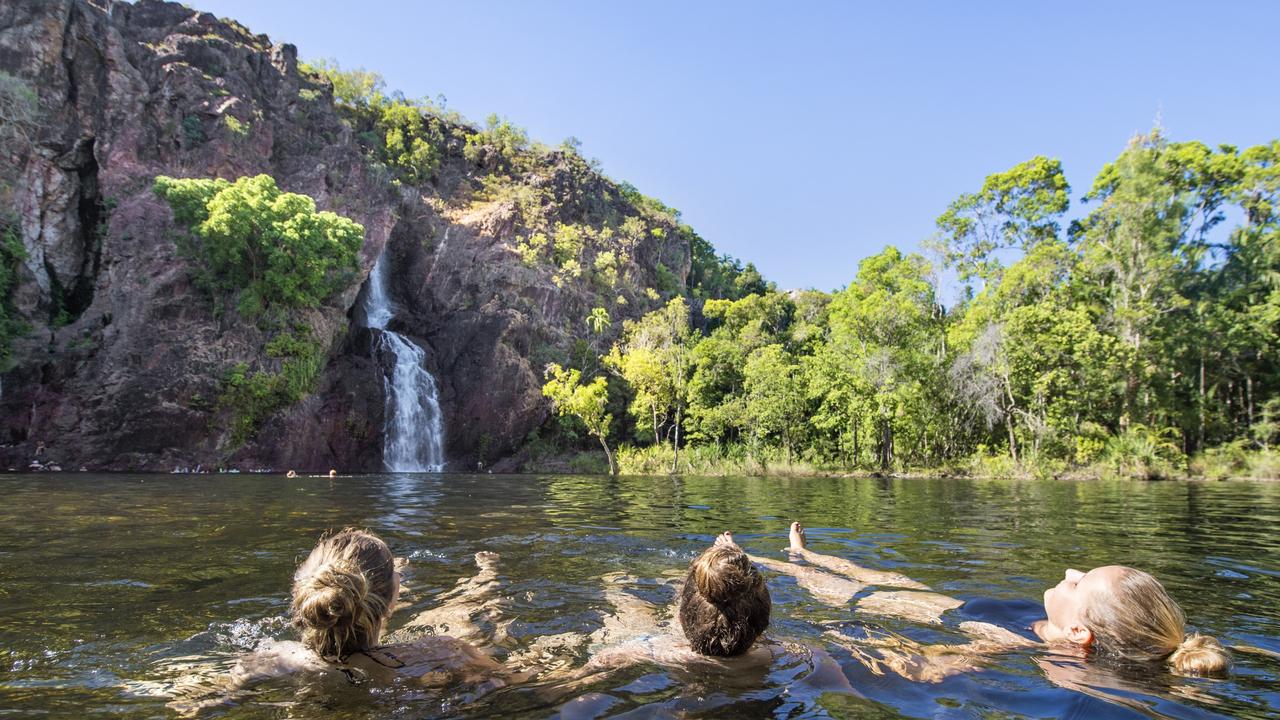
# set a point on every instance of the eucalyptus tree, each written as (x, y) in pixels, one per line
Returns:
(587, 401)
(1015, 209)
(1143, 249)
(654, 356)
(884, 336)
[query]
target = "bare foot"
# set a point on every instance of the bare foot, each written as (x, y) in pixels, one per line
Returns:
(724, 538)
(797, 536)
(486, 560)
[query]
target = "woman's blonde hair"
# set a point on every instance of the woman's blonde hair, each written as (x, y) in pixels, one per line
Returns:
(1135, 619)
(343, 593)
(724, 605)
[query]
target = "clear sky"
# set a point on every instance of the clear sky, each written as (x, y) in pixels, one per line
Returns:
(806, 136)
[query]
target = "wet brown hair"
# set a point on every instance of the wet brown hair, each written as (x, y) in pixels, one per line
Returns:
(725, 604)
(343, 593)
(1136, 619)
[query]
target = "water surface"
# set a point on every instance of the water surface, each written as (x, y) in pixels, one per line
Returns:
(109, 584)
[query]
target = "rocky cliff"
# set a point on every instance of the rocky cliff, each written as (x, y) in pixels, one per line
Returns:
(125, 357)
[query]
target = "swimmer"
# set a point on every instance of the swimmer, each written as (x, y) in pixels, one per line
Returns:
(1113, 612)
(1121, 612)
(343, 595)
(722, 611)
(723, 608)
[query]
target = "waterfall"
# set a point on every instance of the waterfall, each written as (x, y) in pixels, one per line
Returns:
(413, 428)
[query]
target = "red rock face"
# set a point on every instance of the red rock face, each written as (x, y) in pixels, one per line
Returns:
(125, 357)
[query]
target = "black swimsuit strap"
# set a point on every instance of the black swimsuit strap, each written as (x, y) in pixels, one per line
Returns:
(388, 653)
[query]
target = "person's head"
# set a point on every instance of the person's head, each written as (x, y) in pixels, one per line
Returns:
(344, 592)
(725, 604)
(1123, 612)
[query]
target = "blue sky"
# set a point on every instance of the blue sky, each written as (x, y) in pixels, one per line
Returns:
(804, 137)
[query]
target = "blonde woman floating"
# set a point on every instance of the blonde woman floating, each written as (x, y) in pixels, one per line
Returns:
(1111, 612)
(1125, 613)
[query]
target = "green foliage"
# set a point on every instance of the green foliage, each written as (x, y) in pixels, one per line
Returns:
(407, 136)
(252, 397)
(193, 131)
(714, 276)
(11, 254)
(1137, 338)
(598, 320)
(588, 402)
(237, 128)
(1014, 209)
(273, 253)
(497, 146)
(654, 357)
(357, 88)
(1144, 452)
(667, 282)
(271, 247)
(412, 142)
(19, 120)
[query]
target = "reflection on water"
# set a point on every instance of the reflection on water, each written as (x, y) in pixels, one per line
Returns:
(112, 585)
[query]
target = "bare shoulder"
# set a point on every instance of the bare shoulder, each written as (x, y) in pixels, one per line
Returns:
(436, 659)
(276, 657)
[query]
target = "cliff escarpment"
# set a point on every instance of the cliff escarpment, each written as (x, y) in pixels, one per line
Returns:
(498, 249)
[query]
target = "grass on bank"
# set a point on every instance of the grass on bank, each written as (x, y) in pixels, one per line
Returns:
(1233, 461)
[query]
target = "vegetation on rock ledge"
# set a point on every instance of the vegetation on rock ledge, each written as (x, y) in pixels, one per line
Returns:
(275, 254)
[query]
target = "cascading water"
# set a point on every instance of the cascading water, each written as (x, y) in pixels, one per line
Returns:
(413, 427)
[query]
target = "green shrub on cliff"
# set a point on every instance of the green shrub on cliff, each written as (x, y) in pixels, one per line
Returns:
(11, 253)
(411, 142)
(271, 247)
(354, 88)
(252, 397)
(408, 135)
(499, 144)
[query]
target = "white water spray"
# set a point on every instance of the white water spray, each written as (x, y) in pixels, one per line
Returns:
(413, 427)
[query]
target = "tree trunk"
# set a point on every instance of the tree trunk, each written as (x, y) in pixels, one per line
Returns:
(855, 445)
(1248, 393)
(675, 446)
(613, 469)
(657, 439)
(1200, 429)
(886, 443)
(1013, 443)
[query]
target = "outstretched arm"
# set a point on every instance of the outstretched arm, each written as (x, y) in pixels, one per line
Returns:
(631, 617)
(827, 588)
(931, 663)
(472, 599)
(914, 605)
(207, 686)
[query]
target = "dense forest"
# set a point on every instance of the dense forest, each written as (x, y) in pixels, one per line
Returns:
(1137, 339)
